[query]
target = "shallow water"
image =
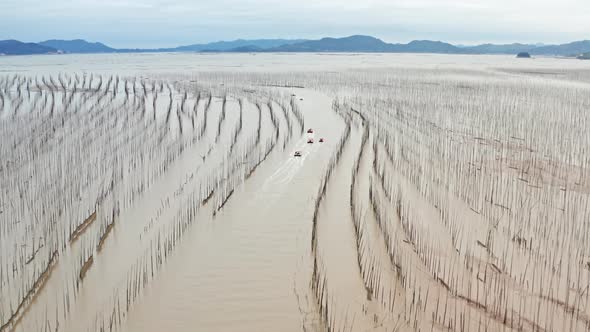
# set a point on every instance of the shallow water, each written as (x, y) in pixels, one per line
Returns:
(475, 203)
(183, 63)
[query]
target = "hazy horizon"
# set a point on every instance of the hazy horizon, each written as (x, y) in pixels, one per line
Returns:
(155, 23)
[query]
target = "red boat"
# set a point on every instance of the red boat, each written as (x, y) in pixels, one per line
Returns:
(322, 140)
(310, 131)
(310, 141)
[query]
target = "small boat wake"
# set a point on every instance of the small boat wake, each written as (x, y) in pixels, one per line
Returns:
(287, 171)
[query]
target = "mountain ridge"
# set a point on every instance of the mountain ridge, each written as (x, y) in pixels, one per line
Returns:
(573, 48)
(77, 46)
(360, 43)
(15, 47)
(354, 43)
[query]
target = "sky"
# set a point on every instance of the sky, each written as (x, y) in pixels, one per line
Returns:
(159, 23)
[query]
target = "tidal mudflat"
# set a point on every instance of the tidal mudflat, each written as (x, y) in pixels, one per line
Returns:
(150, 192)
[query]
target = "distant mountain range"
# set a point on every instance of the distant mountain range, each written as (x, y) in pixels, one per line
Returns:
(15, 47)
(500, 49)
(347, 44)
(77, 46)
(225, 46)
(574, 48)
(366, 44)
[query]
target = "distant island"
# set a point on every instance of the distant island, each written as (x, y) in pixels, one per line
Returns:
(523, 55)
(360, 44)
(585, 56)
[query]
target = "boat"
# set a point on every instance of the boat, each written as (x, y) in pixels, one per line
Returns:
(310, 131)
(297, 153)
(322, 140)
(310, 141)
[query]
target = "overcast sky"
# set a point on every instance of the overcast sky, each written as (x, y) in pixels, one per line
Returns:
(159, 23)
